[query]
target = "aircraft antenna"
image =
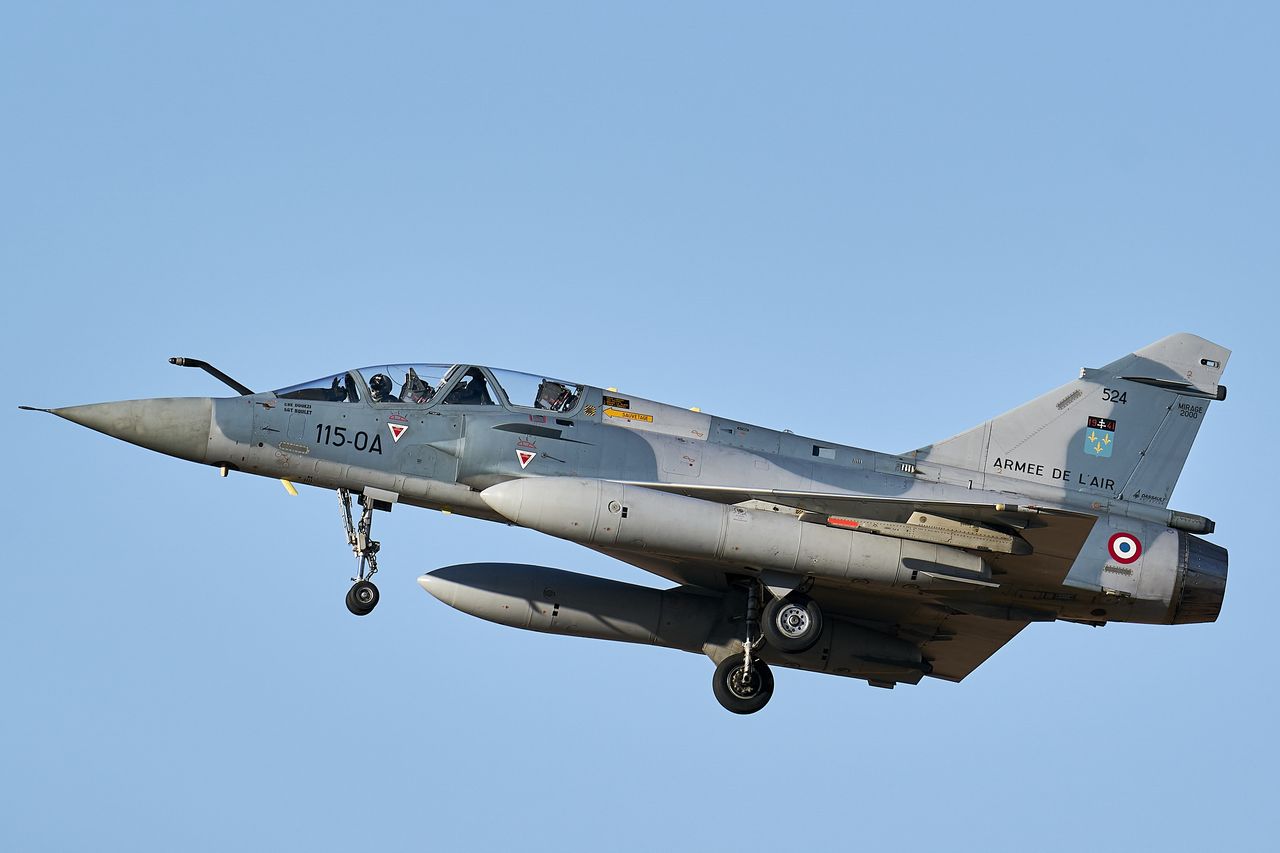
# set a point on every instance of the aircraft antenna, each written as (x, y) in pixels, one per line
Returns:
(212, 371)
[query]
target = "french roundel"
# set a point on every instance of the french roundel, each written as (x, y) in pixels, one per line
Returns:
(1124, 548)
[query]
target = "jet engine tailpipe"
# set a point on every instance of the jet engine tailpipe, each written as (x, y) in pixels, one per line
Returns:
(1202, 580)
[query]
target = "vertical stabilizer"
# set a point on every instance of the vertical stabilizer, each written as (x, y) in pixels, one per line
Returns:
(1120, 431)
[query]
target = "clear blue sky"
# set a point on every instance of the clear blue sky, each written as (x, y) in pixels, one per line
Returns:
(878, 224)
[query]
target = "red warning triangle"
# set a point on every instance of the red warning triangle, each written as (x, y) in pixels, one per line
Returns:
(525, 457)
(397, 430)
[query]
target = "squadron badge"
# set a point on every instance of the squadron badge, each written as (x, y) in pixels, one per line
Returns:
(525, 452)
(398, 424)
(1099, 437)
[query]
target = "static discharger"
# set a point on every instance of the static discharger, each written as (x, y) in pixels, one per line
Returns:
(922, 527)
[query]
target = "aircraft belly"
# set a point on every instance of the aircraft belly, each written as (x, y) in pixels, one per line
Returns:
(684, 572)
(869, 633)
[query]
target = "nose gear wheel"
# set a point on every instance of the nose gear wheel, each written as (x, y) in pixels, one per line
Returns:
(363, 595)
(362, 598)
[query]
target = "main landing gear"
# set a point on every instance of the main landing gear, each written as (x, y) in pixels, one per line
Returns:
(792, 624)
(743, 682)
(741, 685)
(363, 595)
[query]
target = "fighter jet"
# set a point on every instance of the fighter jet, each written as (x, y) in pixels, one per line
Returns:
(782, 550)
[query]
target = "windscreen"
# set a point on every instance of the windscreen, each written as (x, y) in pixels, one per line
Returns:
(338, 388)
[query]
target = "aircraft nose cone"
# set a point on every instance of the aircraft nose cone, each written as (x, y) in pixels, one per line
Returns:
(177, 426)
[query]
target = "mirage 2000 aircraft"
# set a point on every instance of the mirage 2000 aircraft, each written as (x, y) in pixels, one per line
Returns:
(785, 550)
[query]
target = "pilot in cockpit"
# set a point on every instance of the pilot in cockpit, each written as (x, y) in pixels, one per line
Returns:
(380, 389)
(470, 391)
(343, 390)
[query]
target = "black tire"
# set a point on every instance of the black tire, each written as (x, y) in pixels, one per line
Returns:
(792, 624)
(731, 692)
(362, 598)
(355, 608)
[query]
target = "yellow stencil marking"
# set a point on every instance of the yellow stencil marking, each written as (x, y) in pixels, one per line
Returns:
(630, 416)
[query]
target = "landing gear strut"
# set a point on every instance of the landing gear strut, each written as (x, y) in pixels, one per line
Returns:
(742, 682)
(363, 595)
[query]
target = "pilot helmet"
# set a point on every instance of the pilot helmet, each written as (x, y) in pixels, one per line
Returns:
(380, 385)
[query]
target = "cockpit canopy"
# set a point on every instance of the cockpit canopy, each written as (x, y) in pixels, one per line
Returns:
(414, 384)
(432, 384)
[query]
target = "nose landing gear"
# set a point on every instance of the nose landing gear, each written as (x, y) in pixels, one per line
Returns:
(362, 598)
(363, 595)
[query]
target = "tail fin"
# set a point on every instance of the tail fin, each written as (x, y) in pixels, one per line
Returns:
(1123, 431)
